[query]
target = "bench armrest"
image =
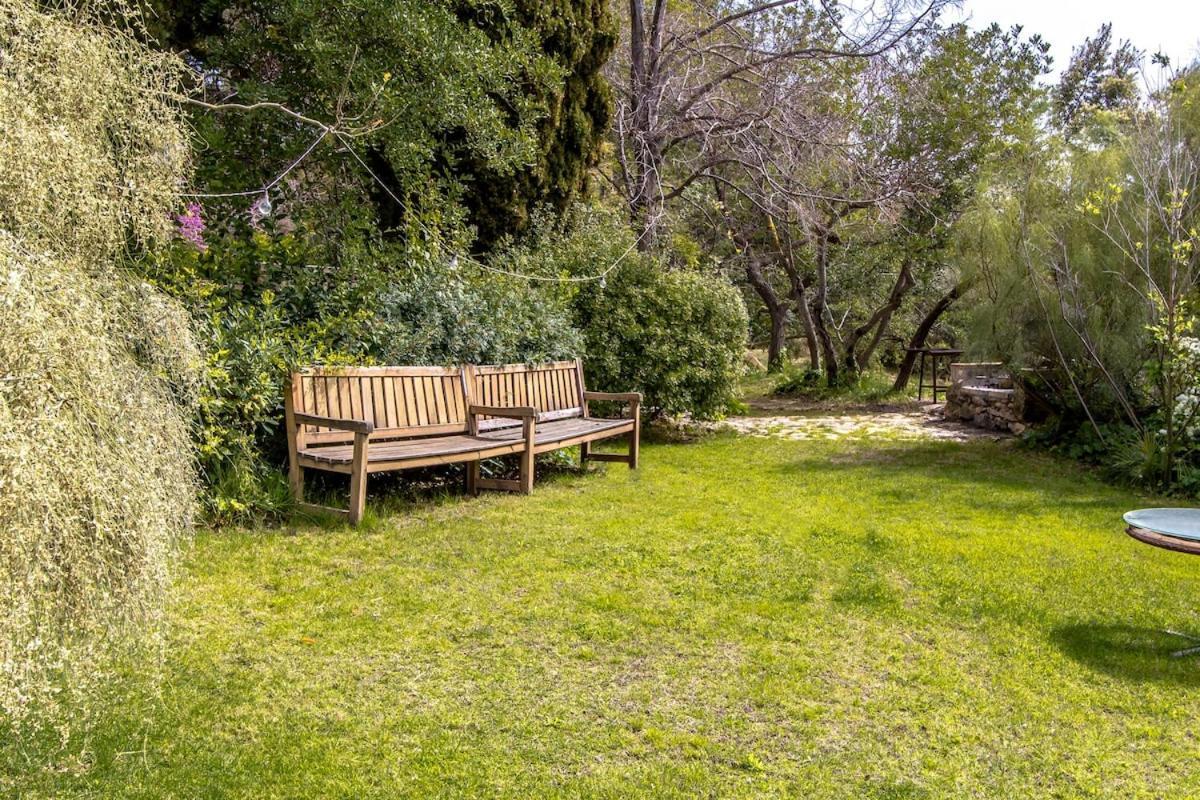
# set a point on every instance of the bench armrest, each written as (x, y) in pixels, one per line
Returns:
(352, 425)
(634, 399)
(507, 412)
(620, 397)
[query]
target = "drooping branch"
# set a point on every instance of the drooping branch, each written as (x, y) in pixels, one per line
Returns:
(921, 334)
(710, 90)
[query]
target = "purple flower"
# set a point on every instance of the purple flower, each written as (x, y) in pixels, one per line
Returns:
(191, 226)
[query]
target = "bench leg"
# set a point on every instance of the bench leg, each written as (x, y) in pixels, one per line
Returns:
(296, 479)
(358, 479)
(528, 457)
(635, 435)
(583, 455)
(473, 479)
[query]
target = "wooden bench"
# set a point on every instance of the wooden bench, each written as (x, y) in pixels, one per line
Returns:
(360, 420)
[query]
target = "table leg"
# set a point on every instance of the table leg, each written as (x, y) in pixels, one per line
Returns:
(1187, 651)
(921, 378)
(935, 386)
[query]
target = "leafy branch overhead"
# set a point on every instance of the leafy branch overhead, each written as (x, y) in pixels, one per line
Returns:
(477, 112)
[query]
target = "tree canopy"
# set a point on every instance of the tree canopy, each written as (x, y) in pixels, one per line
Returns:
(464, 111)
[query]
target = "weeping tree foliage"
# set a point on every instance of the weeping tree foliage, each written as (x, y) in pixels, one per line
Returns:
(1088, 253)
(1050, 279)
(96, 369)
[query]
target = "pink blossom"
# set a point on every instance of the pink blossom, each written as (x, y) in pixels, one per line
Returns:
(191, 226)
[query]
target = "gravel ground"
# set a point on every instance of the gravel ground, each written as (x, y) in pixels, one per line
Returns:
(917, 422)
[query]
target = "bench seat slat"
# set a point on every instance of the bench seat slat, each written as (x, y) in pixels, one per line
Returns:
(560, 430)
(547, 433)
(399, 450)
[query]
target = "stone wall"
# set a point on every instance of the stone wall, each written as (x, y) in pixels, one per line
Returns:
(984, 395)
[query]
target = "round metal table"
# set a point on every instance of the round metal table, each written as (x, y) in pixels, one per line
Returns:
(1175, 529)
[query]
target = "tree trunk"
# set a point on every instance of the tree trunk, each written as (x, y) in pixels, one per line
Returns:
(778, 312)
(878, 322)
(645, 48)
(799, 295)
(820, 308)
(776, 348)
(922, 333)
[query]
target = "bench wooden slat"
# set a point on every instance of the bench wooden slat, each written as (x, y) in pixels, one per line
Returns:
(403, 401)
(437, 401)
(338, 401)
(372, 386)
(332, 400)
(333, 396)
(491, 369)
(393, 413)
(381, 371)
(419, 395)
(426, 407)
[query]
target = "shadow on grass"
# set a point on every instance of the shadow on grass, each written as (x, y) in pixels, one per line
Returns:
(1129, 653)
(924, 470)
(403, 492)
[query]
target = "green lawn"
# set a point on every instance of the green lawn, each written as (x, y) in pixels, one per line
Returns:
(741, 617)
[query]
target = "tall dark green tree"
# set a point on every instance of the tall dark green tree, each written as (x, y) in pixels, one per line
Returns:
(579, 35)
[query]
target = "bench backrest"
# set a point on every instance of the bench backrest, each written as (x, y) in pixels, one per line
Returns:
(400, 402)
(555, 389)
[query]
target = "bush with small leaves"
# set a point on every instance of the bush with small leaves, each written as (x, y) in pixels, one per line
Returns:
(676, 336)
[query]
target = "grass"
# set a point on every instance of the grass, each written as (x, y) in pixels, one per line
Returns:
(742, 617)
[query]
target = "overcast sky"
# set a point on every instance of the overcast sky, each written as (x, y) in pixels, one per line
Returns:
(1170, 26)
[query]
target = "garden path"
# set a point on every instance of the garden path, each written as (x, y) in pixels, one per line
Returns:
(786, 418)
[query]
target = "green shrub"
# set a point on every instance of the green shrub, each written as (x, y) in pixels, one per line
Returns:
(676, 336)
(443, 317)
(800, 381)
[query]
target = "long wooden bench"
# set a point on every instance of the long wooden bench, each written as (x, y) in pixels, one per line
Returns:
(360, 420)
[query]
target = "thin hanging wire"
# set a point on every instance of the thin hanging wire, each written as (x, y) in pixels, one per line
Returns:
(269, 186)
(265, 190)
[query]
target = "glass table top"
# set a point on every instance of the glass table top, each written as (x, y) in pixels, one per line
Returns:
(1182, 523)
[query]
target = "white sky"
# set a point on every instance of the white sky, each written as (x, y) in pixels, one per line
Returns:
(1170, 26)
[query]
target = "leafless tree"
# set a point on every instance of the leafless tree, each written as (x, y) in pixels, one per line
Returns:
(811, 184)
(696, 77)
